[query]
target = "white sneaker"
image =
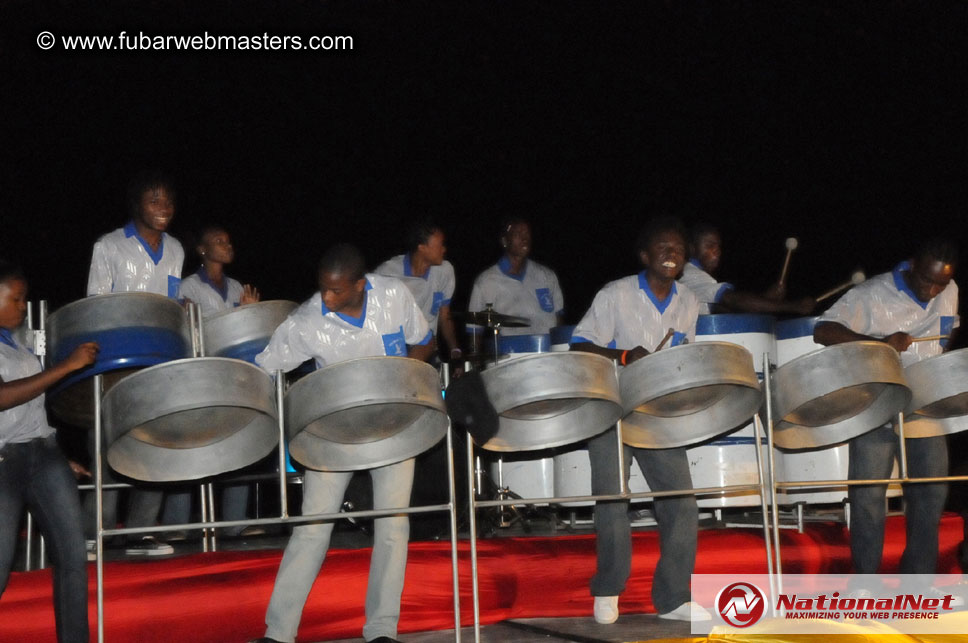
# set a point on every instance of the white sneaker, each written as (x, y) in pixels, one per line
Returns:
(606, 609)
(689, 611)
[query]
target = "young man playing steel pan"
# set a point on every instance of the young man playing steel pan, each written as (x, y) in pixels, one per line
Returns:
(918, 298)
(354, 315)
(705, 252)
(519, 286)
(430, 279)
(628, 319)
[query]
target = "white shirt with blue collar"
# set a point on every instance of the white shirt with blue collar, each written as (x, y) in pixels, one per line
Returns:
(884, 304)
(703, 285)
(431, 290)
(27, 421)
(200, 289)
(534, 295)
(390, 320)
(626, 313)
(124, 262)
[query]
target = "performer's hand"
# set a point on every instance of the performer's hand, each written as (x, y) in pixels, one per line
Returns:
(83, 355)
(79, 470)
(776, 292)
(635, 354)
(898, 341)
(250, 295)
(456, 362)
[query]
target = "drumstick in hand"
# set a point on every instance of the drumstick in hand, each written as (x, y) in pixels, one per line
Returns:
(856, 278)
(791, 245)
(668, 336)
(930, 338)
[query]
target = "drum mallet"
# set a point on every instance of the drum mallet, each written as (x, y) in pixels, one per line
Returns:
(856, 278)
(791, 245)
(668, 336)
(930, 338)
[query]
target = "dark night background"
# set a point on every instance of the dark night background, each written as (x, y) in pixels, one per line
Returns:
(841, 123)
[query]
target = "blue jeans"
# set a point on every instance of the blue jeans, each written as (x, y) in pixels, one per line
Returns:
(35, 475)
(872, 457)
(677, 518)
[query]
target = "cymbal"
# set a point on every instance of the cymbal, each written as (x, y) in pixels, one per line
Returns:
(492, 319)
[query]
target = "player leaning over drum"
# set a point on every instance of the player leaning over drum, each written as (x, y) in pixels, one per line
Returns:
(628, 319)
(353, 315)
(917, 299)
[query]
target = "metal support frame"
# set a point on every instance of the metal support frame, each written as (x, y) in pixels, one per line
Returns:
(623, 494)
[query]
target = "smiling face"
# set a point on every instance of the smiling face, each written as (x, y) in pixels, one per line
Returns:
(928, 277)
(517, 241)
(157, 209)
(664, 255)
(13, 303)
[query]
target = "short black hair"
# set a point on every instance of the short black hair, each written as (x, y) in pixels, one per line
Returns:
(345, 259)
(939, 249)
(146, 181)
(10, 271)
(656, 226)
(420, 232)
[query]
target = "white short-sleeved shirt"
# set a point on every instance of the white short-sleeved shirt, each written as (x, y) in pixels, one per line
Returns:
(626, 313)
(431, 291)
(389, 321)
(533, 295)
(884, 304)
(27, 421)
(703, 285)
(207, 295)
(124, 262)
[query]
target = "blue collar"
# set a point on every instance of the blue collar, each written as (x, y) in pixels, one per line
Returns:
(505, 265)
(6, 337)
(131, 231)
(660, 305)
(223, 291)
(408, 268)
(901, 284)
(349, 319)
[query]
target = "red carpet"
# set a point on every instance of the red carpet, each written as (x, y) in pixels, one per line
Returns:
(210, 598)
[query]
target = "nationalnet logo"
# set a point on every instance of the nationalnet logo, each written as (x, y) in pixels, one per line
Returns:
(832, 604)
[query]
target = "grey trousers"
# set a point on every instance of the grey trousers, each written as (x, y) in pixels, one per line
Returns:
(677, 517)
(872, 457)
(323, 493)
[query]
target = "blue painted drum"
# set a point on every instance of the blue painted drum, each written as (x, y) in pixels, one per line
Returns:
(524, 344)
(134, 331)
(794, 338)
(730, 459)
(561, 337)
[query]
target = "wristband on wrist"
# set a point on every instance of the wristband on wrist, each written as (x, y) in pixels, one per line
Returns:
(625, 355)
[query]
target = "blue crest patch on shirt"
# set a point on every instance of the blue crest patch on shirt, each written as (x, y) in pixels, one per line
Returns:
(173, 283)
(677, 338)
(395, 344)
(947, 325)
(438, 302)
(545, 300)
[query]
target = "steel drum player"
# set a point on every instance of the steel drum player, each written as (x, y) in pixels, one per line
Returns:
(918, 298)
(353, 315)
(627, 320)
(518, 286)
(430, 279)
(705, 252)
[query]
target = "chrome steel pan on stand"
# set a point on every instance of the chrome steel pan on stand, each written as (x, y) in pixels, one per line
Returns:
(687, 394)
(244, 332)
(364, 413)
(190, 419)
(939, 401)
(836, 393)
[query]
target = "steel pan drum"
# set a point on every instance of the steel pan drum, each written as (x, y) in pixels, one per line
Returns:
(190, 419)
(837, 393)
(134, 330)
(365, 413)
(687, 394)
(939, 401)
(244, 332)
(551, 399)
(561, 337)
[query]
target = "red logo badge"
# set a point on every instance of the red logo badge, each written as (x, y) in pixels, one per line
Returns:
(741, 604)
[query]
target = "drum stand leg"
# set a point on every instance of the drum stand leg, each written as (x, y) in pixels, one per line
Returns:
(452, 495)
(99, 507)
(776, 579)
(472, 525)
